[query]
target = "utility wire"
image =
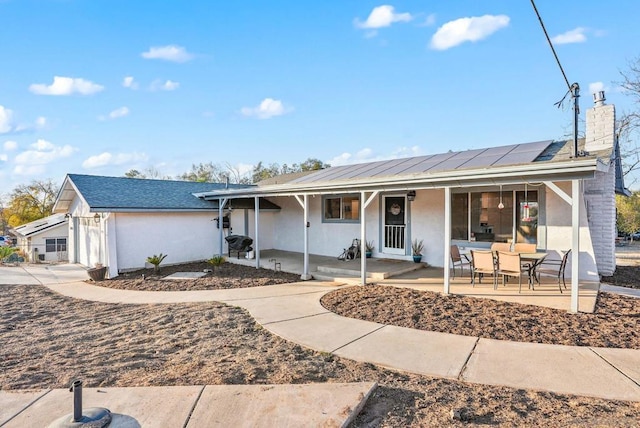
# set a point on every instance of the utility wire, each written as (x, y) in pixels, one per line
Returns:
(551, 46)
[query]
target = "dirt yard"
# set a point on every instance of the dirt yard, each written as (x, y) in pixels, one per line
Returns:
(48, 340)
(228, 275)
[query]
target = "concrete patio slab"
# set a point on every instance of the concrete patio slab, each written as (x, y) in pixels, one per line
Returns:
(131, 407)
(623, 291)
(625, 360)
(184, 275)
(14, 402)
(562, 369)
(57, 273)
(325, 332)
(320, 405)
(10, 275)
(416, 351)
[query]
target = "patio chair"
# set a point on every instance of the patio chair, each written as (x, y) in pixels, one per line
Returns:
(522, 247)
(482, 263)
(458, 259)
(555, 268)
(509, 264)
(501, 246)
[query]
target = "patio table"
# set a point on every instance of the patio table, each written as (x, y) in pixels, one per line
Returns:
(533, 260)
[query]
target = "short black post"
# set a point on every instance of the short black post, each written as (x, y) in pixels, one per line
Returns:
(76, 387)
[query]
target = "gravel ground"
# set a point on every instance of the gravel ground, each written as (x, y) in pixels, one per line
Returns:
(49, 339)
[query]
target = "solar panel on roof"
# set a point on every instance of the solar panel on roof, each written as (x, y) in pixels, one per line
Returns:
(477, 158)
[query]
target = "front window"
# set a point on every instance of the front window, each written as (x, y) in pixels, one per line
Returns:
(341, 208)
(478, 216)
(54, 245)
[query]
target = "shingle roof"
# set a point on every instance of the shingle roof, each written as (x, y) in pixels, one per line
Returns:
(121, 193)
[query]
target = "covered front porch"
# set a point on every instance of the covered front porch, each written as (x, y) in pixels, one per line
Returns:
(400, 273)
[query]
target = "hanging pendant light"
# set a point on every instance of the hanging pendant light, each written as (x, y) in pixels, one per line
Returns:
(500, 205)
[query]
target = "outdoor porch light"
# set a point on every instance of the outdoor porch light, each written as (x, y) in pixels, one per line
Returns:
(411, 195)
(96, 218)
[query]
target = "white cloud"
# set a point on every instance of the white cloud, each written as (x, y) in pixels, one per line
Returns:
(173, 53)
(167, 85)
(42, 152)
(429, 20)
(42, 145)
(10, 145)
(472, 29)
(129, 82)
(117, 113)
(41, 122)
(577, 35)
(382, 16)
(66, 86)
(267, 109)
(596, 87)
(368, 155)
(6, 120)
(4, 157)
(107, 158)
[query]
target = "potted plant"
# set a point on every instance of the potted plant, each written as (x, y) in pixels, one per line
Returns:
(369, 247)
(98, 272)
(417, 246)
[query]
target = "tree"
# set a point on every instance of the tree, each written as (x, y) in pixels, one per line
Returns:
(261, 172)
(30, 202)
(629, 123)
(152, 173)
(214, 173)
(628, 213)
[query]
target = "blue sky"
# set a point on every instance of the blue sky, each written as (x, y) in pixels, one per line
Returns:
(101, 87)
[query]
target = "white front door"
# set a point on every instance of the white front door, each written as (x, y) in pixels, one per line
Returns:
(395, 224)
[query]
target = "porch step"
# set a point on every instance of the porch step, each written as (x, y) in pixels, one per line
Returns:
(377, 269)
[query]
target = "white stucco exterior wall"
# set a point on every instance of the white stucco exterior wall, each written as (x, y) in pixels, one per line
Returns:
(183, 237)
(558, 232)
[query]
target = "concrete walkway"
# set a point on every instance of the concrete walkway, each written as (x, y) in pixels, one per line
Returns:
(293, 311)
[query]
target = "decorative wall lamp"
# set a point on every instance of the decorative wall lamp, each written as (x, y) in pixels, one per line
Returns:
(411, 195)
(96, 218)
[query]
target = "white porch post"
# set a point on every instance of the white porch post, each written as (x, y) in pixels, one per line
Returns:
(363, 239)
(447, 237)
(256, 242)
(575, 243)
(305, 270)
(364, 203)
(221, 203)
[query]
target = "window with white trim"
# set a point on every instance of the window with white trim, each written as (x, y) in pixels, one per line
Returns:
(492, 216)
(54, 245)
(341, 209)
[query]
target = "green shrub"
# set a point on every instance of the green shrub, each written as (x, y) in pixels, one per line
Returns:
(6, 252)
(216, 261)
(155, 260)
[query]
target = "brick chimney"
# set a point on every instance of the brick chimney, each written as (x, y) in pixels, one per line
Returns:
(601, 125)
(599, 192)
